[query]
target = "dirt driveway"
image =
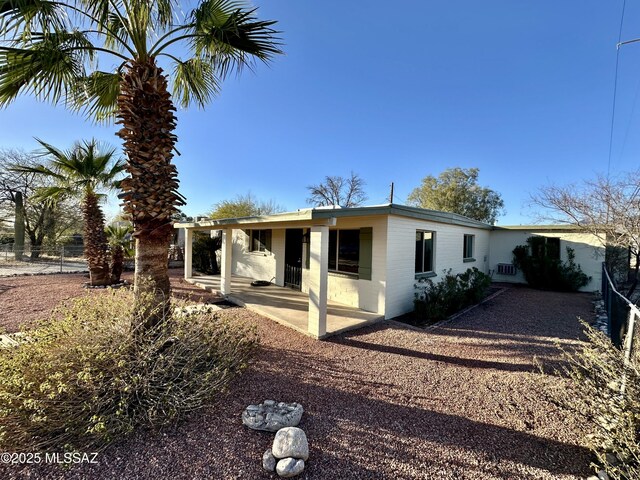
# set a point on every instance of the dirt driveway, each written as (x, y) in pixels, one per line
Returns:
(460, 401)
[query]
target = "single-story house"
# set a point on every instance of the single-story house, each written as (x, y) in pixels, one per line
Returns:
(369, 258)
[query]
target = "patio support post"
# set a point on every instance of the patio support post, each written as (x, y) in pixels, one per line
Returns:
(188, 253)
(318, 270)
(225, 268)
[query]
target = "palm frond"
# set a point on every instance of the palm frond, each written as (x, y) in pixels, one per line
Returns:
(38, 170)
(47, 67)
(53, 194)
(231, 36)
(194, 80)
(96, 95)
(30, 15)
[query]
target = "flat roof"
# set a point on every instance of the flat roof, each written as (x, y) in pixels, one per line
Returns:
(540, 228)
(309, 215)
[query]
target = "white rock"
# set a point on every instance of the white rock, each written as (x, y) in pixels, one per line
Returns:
(290, 442)
(289, 467)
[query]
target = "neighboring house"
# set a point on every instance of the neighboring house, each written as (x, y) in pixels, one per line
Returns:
(371, 257)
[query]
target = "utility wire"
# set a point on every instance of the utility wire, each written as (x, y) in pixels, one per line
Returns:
(615, 87)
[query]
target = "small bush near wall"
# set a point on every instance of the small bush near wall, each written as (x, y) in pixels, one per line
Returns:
(436, 301)
(85, 378)
(542, 268)
(604, 391)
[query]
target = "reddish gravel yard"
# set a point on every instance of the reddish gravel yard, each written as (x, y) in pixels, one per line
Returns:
(459, 401)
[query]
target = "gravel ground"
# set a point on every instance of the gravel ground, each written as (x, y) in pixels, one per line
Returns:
(26, 299)
(462, 400)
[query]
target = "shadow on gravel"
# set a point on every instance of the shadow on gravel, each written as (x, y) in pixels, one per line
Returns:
(4, 288)
(463, 362)
(376, 425)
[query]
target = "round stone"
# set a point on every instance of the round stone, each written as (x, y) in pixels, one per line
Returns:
(289, 467)
(269, 461)
(290, 442)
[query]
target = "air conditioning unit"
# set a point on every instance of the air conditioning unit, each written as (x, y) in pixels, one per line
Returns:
(506, 269)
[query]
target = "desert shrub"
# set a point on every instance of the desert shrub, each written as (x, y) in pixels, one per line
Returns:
(204, 253)
(84, 378)
(436, 301)
(543, 268)
(605, 393)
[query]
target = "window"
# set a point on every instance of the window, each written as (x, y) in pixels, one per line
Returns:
(260, 240)
(424, 251)
(467, 250)
(344, 250)
(545, 247)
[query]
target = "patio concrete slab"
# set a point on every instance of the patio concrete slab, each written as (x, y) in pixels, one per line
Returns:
(287, 306)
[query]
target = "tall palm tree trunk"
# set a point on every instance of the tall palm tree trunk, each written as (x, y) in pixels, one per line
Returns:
(95, 241)
(150, 195)
(117, 263)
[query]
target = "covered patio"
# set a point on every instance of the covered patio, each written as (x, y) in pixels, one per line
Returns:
(308, 312)
(287, 306)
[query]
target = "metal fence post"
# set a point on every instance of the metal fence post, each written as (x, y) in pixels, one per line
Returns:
(61, 258)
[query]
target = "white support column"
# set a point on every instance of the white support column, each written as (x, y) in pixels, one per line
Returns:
(225, 260)
(318, 270)
(188, 253)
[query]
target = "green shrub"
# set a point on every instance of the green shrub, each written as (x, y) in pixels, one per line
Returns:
(204, 253)
(436, 301)
(605, 394)
(543, 269)
(84, 378)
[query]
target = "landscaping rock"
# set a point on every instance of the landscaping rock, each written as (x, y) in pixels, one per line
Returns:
(269, 461)
(290, 442)
(289, 467)
(271, 416)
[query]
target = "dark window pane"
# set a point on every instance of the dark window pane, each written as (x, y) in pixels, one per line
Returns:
(348, 250)
(333, 248)
(419, 252)
(258, 240)
(553, 248)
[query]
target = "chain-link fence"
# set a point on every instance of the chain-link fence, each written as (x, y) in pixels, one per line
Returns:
(61, 259)
(32, 260)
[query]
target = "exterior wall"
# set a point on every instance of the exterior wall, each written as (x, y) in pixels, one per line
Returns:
(347, 289)
(258, 265)
(588, 249)
(448, 254)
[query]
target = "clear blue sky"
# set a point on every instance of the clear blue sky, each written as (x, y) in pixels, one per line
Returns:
(398, 90)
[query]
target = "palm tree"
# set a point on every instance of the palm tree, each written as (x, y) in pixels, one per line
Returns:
(83, 171)
(53, 48)
(119, 238)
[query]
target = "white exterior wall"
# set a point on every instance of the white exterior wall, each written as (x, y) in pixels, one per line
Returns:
(448, 254)
(366, 295)
(259, 265)
(588, 249)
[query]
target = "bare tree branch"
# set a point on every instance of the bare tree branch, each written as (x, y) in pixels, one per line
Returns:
(336, 190)
(608, 209)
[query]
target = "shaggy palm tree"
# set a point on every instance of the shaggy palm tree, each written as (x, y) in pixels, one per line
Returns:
(119, 238)
(53, 49)
(83, 171)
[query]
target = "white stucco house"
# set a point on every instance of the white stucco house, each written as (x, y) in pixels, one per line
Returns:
(370, 257)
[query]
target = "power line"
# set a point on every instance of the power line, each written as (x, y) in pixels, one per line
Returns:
(615, 87)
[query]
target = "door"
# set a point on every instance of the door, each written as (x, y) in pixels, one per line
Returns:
(293, 258)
